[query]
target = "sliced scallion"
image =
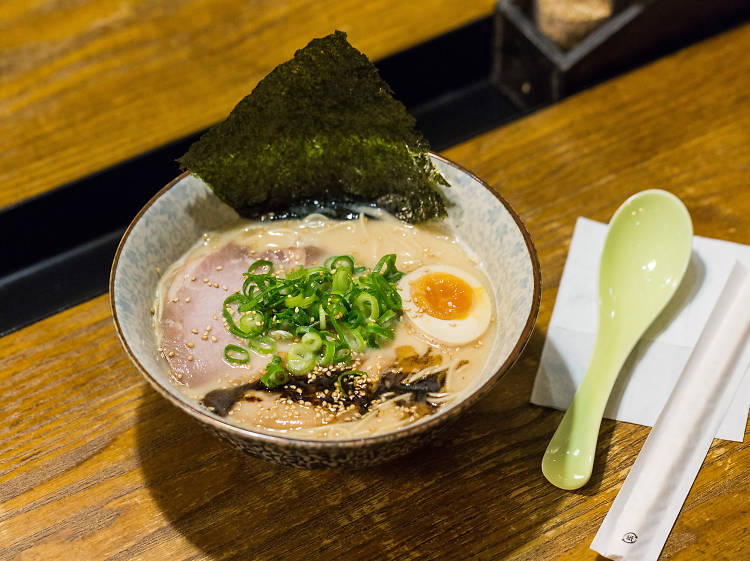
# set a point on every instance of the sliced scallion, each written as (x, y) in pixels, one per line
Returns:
(264, 344)
(299, 359)
(275, 374)
(236, 354)
(335, 310)
(252, 322)
(311, 341)
(368, 305)
(328, 353)
(258, 264)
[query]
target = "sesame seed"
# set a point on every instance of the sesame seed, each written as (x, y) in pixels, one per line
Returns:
(190, 358)
(171, 354)
(190, 345)
(194, 331)
(213, 339)
(208, 328)
(216, 318)
(204, 337)
(158, 271)
(225, 287)
(187, 300)
(216, 285)
(153, 311)
(219, 268)
(205, 281)
(192, 278)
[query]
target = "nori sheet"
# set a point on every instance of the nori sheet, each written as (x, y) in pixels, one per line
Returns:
(322, 126)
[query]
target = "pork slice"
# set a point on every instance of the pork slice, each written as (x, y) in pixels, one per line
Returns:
(193, 332)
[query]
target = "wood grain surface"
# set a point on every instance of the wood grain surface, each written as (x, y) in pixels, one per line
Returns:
(85, 84)
(95, 465)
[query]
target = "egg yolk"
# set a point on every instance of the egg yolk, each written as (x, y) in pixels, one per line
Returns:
(442, 295)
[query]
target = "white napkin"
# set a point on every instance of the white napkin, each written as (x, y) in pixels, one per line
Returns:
(637, 525)
(650, 373)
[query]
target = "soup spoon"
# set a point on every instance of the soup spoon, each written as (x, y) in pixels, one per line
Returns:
(645, 256)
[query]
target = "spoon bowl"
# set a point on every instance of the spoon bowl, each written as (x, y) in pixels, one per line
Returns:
(645, 256)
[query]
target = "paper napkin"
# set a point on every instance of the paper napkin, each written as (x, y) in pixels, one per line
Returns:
(650, 373)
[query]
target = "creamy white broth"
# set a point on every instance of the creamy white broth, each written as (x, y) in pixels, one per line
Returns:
(366, 240)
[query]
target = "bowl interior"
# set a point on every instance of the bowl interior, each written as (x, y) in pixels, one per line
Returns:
(171, 223)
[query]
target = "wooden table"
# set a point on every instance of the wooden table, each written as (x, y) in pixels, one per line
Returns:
(95, 465)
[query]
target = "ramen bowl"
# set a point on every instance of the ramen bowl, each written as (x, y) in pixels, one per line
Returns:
(178, 215)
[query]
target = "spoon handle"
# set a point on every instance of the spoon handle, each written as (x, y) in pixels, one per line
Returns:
(569, 458)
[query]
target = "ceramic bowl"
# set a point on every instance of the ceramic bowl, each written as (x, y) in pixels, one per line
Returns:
(178, 215)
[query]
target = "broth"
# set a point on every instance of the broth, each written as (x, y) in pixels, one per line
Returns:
(406, 379)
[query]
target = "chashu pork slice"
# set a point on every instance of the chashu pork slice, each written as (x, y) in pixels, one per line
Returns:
(193, 335)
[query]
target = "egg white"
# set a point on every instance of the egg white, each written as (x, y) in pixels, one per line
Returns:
(448, 331)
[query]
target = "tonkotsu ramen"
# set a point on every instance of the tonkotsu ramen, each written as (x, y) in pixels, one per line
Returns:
(323, 328)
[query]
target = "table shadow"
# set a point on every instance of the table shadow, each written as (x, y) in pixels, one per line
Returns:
(477, 491)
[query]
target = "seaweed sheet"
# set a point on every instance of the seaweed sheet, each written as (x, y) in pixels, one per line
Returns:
(323, 126)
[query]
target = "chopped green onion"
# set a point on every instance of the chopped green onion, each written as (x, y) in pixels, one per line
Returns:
(391, 274)
(296, 273)
(343, 354)
(366, 300)
(342, 281)
(346, 261)
(387, 317)
(275, 374)
(336, 310)
(351, 337)
(354, 318)
(226, 312)
(299, 301)
(389, 295)
(311, 341)
(252, 322)
(264, 345)
(258, 264)
(236, 354)
(328, 353)
(322, 317)
(375, 329)
(310, 271)
(299, 360)
(282, 335)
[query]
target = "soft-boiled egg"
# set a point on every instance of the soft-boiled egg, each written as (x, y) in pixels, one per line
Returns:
(445, 303)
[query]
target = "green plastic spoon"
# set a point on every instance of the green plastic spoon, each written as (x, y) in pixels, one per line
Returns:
(645, 256)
